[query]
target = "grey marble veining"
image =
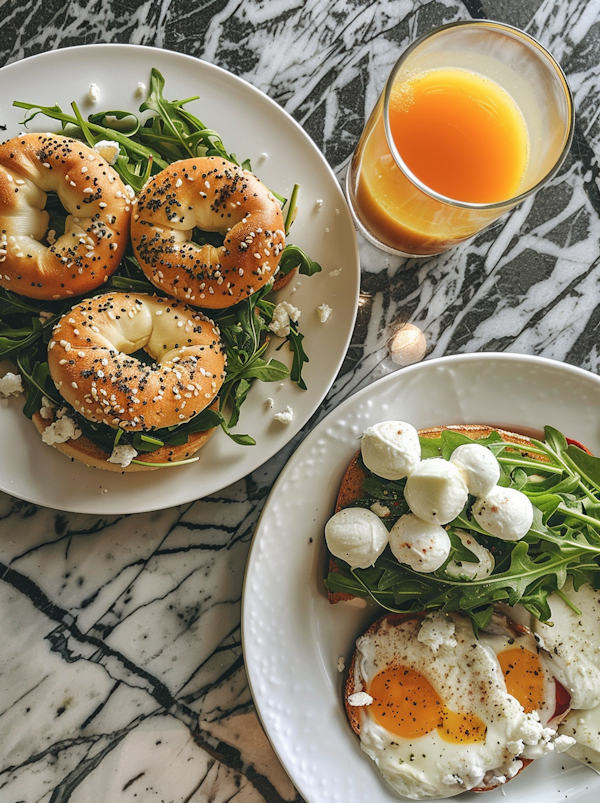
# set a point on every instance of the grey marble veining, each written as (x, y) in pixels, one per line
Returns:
(121, 669)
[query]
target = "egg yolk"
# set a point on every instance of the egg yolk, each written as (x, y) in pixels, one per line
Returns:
(406, 704)
(524, 677)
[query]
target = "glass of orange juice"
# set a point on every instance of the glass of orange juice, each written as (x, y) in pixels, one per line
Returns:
(475, 117)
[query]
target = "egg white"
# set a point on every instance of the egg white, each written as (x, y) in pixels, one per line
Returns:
(468, 678)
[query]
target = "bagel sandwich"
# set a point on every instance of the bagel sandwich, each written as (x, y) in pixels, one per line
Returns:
(136, 382)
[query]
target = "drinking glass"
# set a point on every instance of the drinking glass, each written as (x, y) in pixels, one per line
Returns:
(392, 206)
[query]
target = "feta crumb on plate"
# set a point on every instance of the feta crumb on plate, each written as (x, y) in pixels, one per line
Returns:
(93, 94)
(286, 417)
(324, 311)
(10, 385)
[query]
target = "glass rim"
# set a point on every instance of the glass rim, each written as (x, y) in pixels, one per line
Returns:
(445, 199)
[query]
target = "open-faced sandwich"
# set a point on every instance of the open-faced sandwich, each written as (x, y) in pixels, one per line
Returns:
(481, 548)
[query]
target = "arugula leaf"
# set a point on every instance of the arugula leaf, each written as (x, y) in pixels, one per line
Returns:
(294, 257)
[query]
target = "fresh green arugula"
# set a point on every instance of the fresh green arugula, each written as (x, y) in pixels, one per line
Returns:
(563, 483)
(162, 132)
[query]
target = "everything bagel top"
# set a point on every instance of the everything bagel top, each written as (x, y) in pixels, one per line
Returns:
(214, 195)
(98, 207)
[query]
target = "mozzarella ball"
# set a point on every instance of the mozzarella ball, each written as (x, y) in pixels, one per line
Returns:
(357, 536)
(478, 466)
(436, 491)
(421, 545)
(470, 569)
(505, 513)
(391, 449)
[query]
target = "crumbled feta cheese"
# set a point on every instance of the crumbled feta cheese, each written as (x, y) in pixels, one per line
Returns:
(61, 430)
(380, 510)
(341, 663)
(93, 94)
(437, 631)
(335, 272)
(47, 408)
(122, 455)
(270, 402)
(515, 747)
(286, 417)
(319, 203)
(108, 150)
(10, 385)
(324, 311)
(563, 742)
(283, 314)
(360, 698)
(140, 89)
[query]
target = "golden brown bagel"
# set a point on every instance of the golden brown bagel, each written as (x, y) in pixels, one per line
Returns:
(89, 361)
(96, 228)
(211, 194)
(351, 487)
(84, 450)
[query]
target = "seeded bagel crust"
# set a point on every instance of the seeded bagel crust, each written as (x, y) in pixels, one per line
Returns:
(91, 361)
(215, 195)
(96, 227)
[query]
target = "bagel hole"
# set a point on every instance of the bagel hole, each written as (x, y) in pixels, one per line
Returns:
(57, 215)
(142, 356)
(201, 237)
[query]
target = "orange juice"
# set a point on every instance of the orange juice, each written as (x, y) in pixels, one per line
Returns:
(460, 134)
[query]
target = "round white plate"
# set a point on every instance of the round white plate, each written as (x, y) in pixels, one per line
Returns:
(252, 126)
(293, 637)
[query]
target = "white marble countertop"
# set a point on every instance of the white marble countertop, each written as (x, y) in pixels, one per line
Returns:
(121, 669)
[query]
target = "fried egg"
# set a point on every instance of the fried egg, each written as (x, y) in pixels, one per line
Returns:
(573, 656)
(441, 711)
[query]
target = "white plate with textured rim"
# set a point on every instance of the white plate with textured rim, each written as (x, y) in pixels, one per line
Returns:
(282, 154)
(292, 636)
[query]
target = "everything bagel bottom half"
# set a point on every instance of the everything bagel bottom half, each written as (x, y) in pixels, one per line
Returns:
(87, 452)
